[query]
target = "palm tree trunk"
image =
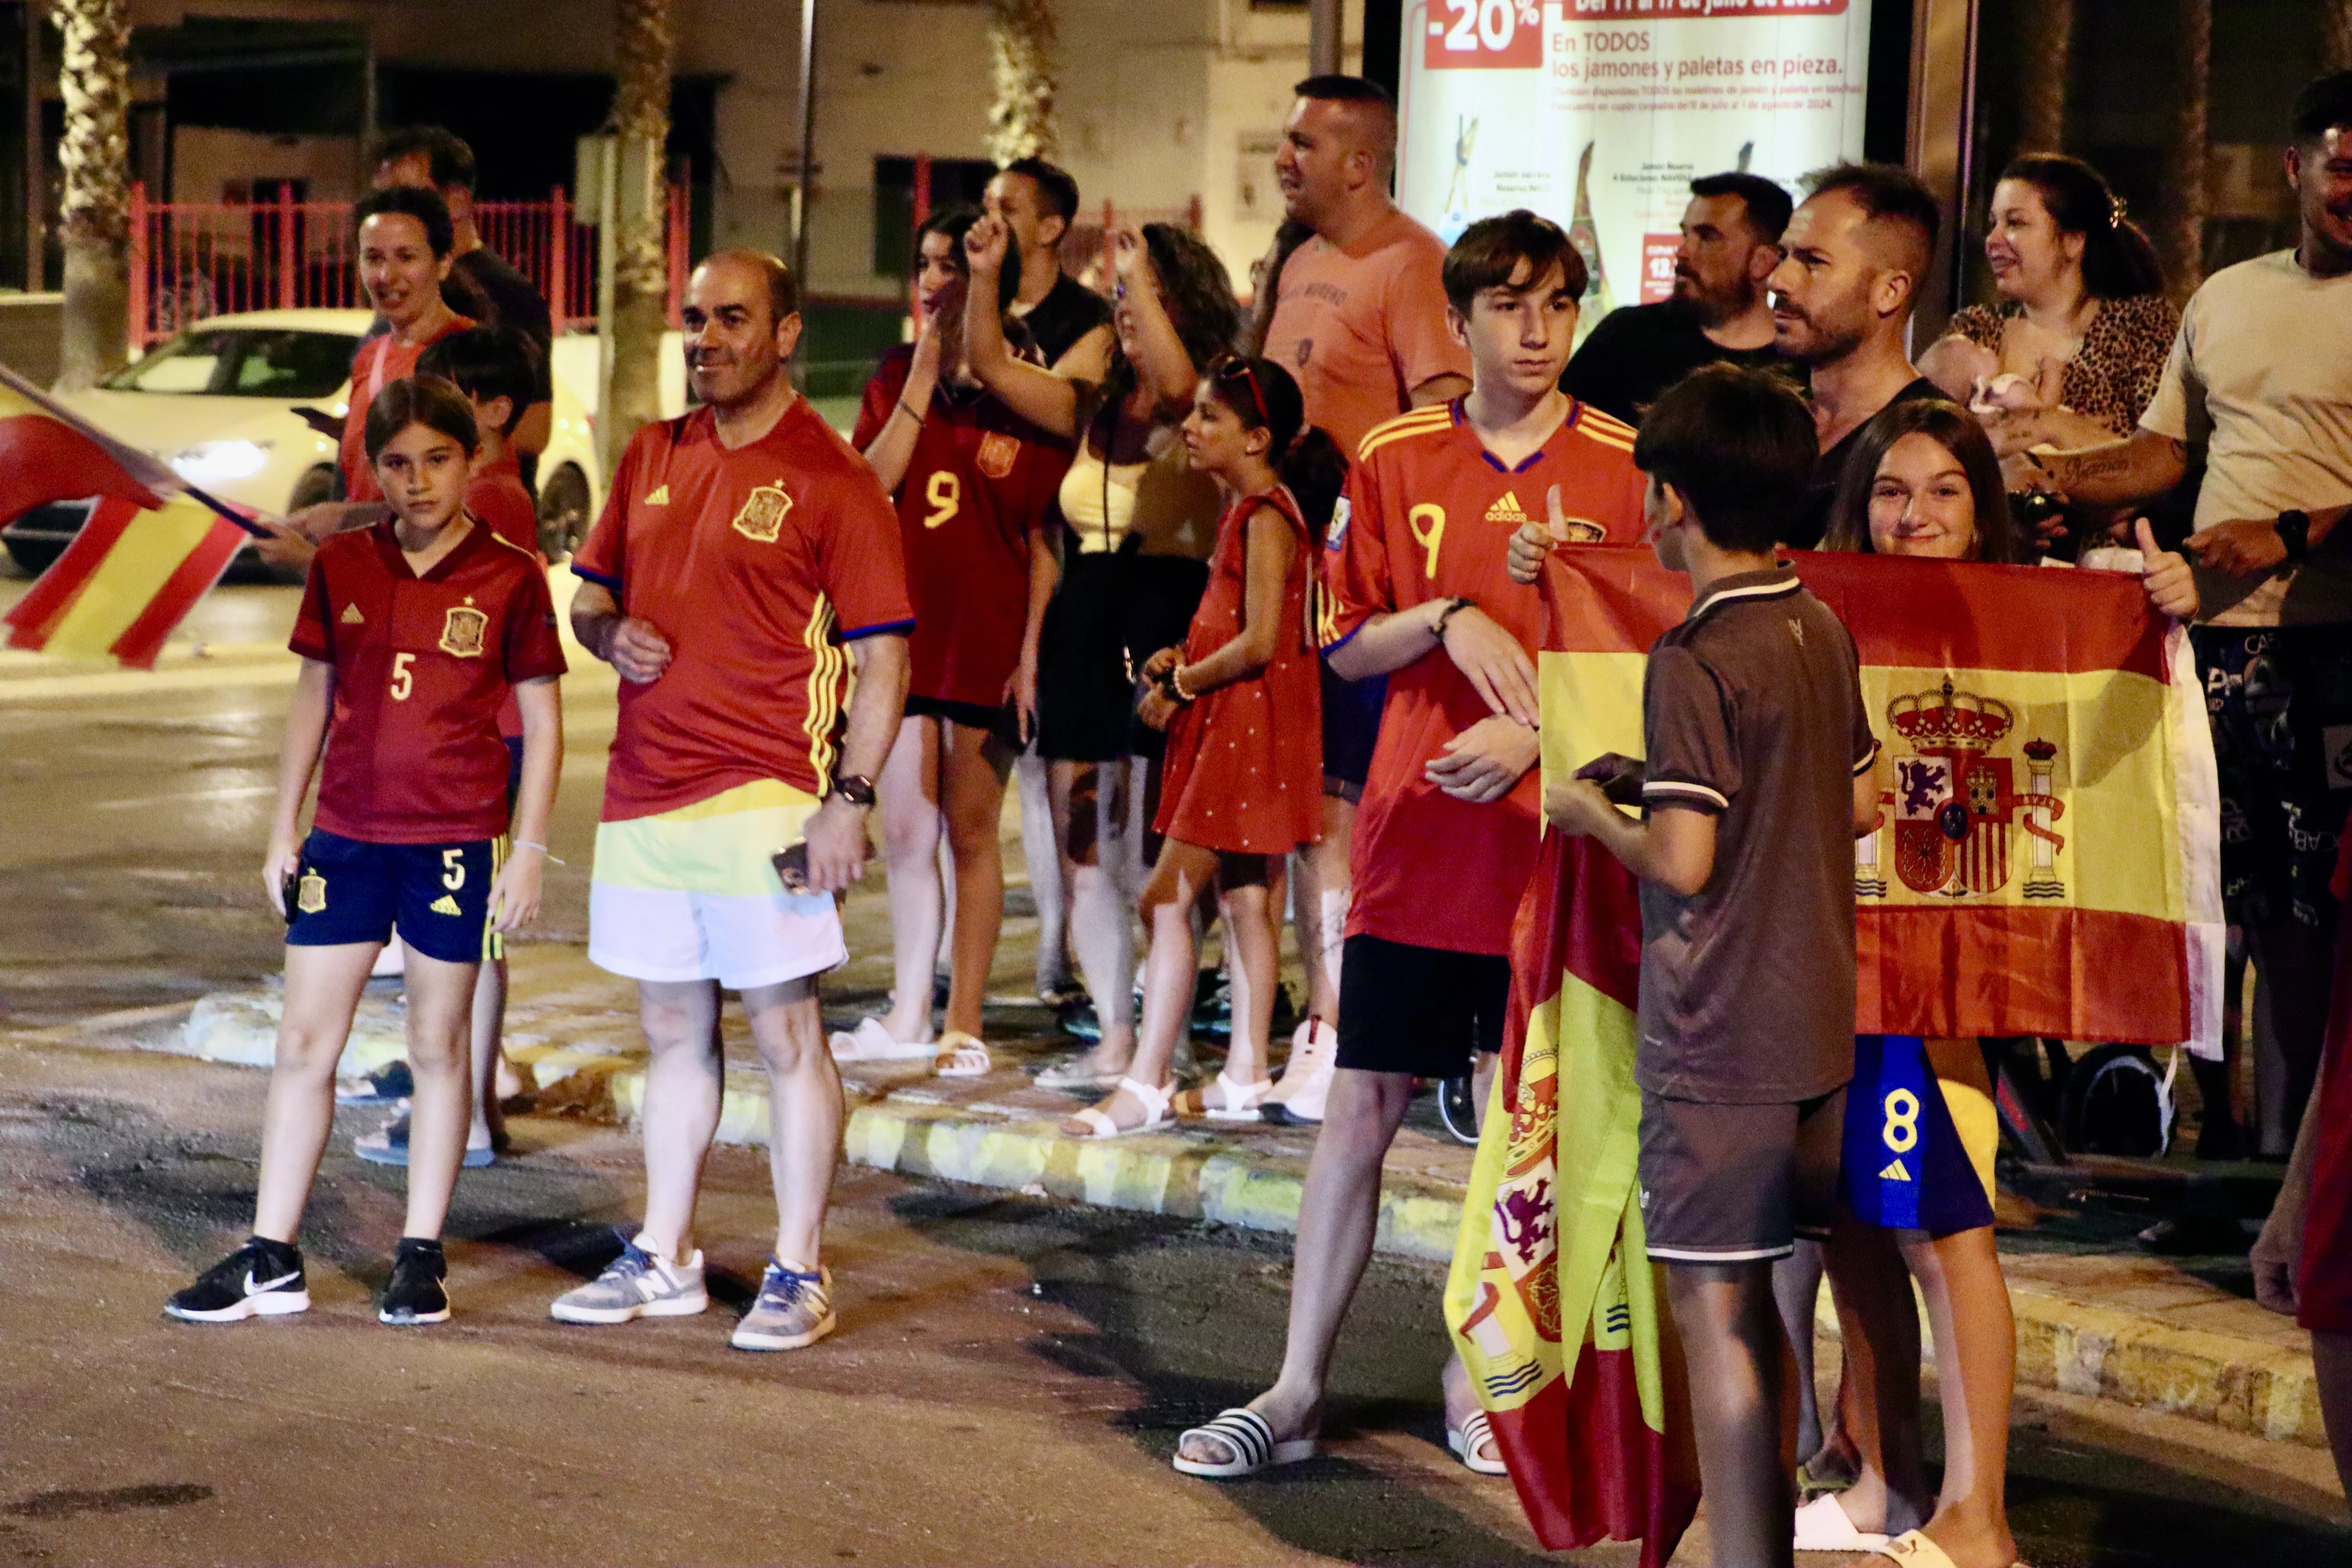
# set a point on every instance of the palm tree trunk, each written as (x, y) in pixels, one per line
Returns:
(640, 263)
(2182, 226)
(2335, 40)
(1020, 47)
(2048, 51)
(95, 158)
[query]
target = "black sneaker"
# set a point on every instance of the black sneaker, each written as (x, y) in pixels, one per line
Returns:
(415, 1294)
(260, 1279)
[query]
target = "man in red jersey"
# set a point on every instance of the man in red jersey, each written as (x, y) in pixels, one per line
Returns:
(1360, 318)
(1418, 565)
(745, 560)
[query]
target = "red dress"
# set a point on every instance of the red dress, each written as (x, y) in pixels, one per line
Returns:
(1244, 767)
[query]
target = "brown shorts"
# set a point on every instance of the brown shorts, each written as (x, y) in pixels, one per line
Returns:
(1736, 1184)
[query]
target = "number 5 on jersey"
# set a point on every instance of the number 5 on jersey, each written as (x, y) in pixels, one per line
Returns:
(404, 679)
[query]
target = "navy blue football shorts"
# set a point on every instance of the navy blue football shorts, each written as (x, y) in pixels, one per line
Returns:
(346, 891)
(1903, 1165)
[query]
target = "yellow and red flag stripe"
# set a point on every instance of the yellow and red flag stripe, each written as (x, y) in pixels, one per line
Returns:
(128, 577)
(45, 455)
(2049, 860)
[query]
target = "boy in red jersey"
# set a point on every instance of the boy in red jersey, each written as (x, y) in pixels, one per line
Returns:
(746, 561)
(412, 633)
(492, 367)
(974, 481)
(1446, 832)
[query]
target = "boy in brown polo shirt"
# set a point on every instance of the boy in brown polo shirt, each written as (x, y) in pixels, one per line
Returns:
(1756, 779)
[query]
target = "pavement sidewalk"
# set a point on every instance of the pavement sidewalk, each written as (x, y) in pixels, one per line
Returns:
(2094, 1318)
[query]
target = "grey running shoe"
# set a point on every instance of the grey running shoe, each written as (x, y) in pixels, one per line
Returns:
(793, 1309)
(636, 1285)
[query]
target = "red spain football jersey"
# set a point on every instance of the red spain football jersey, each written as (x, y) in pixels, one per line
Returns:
(1429, 514)
(421, 667)
(978, 484)
(496, 498)
(759, 564)
(381, 361)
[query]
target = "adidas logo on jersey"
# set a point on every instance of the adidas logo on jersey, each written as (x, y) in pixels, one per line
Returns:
(1508, 509)
(660, 496)
(1893, 1171)
(444, 905)
(350, 615)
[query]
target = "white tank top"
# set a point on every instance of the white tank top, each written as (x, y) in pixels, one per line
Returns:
(1098, 501)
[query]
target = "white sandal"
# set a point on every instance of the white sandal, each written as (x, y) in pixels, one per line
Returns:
(870, 1042)
(1241, 1101)
(1099, 1125)
(1822, 1525)
(961, 1056)
(1246, 1433)
(1474, 1433)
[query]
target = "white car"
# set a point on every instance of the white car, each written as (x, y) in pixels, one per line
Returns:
(221, 404)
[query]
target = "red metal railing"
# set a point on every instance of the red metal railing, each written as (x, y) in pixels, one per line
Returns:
(193, 260)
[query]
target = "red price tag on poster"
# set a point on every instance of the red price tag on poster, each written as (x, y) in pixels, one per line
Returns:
(1658, 266)
(1483, 34)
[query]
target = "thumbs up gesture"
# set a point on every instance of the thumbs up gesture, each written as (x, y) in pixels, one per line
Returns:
(1533, 541)
(2165, 576)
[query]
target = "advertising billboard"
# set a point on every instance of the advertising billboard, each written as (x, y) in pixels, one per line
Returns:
(1599, 113)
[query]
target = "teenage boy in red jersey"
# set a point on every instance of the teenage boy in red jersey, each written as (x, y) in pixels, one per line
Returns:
(412, 634)
(1756, 775)
(492, 367)
(1416, 562)
(746, 561)
(974, 481)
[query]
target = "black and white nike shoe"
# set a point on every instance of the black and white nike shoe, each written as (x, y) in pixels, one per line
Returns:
(416, 1293)
(263, 1279)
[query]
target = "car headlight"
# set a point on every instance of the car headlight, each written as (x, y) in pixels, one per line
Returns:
(209, 462)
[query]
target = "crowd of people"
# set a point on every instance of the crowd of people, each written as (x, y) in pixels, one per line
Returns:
(1242, 602)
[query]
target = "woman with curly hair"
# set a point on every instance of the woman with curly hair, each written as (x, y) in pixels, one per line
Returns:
(1140, 524)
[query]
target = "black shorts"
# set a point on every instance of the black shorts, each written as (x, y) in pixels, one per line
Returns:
(1736, 1184)
(1351, 727)
(1111, 612)
(1419, 1010)
(348, 891)
(2280, 700)
(1001, 722)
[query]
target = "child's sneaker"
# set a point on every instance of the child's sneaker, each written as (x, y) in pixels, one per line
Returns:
(636, 1285)
(417, 1293)
(263, 1279)
(793, 1309)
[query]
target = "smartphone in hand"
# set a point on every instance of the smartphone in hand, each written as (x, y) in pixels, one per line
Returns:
(286, 888)
(792, 865)
(1619, 776)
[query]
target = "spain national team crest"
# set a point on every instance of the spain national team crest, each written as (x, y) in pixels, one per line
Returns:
(462, 629)
(997, 454)
(311, 893)
(1958, 806)
(762, 516)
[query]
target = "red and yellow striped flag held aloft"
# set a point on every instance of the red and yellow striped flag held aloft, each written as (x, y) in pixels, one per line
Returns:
(150, 549)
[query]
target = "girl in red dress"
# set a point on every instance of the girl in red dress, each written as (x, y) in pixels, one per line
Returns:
(1243, 782)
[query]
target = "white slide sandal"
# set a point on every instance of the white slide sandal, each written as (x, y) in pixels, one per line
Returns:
(1246, 1433)
(1097, 1121)
(1474, 1433)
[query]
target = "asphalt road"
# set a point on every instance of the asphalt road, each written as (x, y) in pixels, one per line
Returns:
(1006, 1386)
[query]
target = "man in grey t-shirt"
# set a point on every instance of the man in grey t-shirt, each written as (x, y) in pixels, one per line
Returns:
(1758, 778)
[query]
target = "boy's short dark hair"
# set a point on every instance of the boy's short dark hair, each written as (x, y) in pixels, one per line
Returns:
(486, 362)
(1767, 205)
(2324, 103)
(1057, 190)
(1739, 445)
(426, 400)
(1489, 252)
(425, 206)
(449, 162)
(1887, 194)
(1336, 89)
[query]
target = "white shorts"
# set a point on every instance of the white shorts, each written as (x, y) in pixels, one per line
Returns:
(691, 894)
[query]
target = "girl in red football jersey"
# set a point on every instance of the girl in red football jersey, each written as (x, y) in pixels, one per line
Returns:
(1241, 702)
(412, 633)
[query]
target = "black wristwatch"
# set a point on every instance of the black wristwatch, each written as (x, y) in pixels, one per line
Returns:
(2294, 532)
(1437, 628)
(854, 788)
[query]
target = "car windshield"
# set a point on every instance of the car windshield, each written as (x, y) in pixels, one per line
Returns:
(244, 361)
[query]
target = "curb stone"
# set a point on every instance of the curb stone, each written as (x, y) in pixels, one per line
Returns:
(2066, 1343)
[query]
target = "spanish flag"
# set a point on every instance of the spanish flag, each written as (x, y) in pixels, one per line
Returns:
(152, 547)
(2048, 864)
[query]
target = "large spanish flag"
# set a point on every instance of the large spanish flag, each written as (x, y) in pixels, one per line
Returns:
(2048, 864)
(152, 547)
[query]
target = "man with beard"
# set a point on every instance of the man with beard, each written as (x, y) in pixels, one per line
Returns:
(1731, 242)
(1853, 260)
